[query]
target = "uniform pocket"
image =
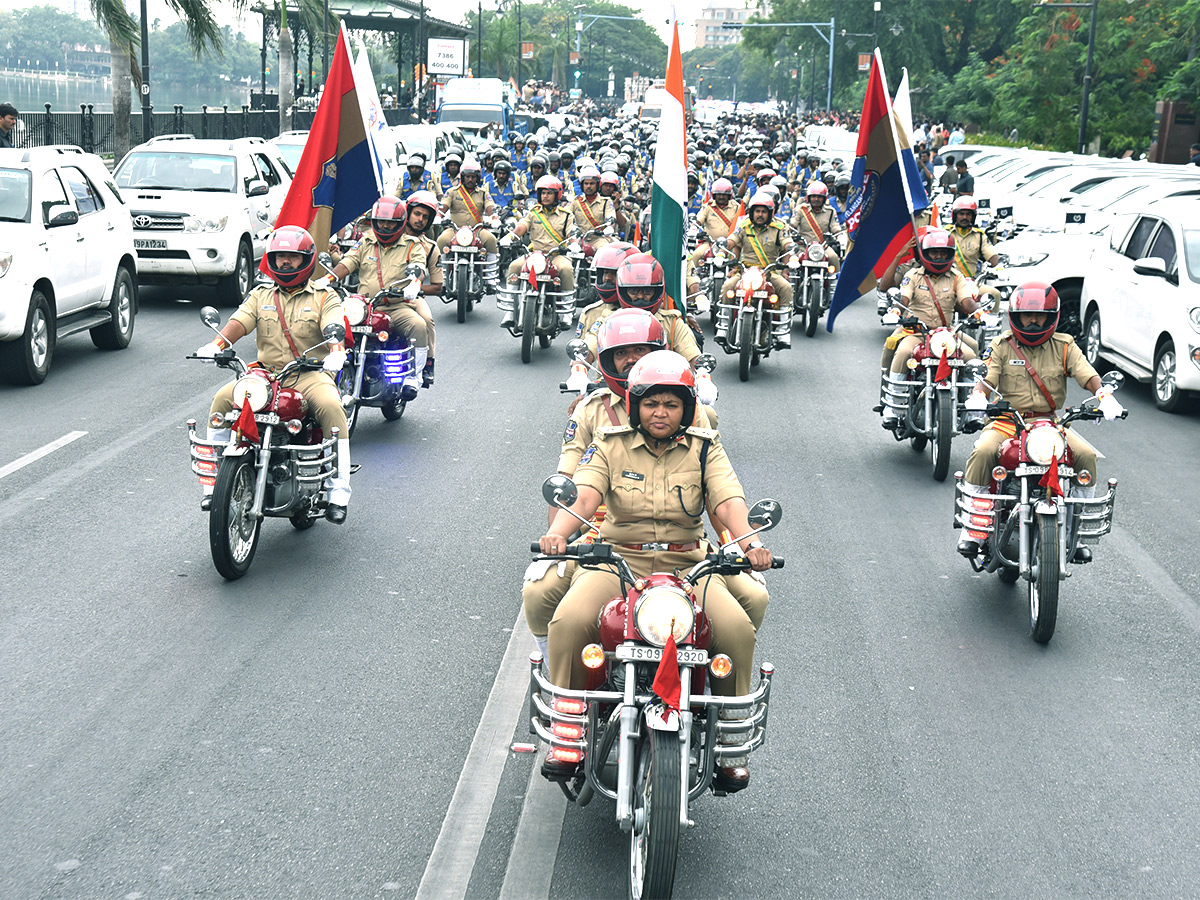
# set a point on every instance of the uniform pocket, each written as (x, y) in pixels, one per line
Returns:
(684, 490)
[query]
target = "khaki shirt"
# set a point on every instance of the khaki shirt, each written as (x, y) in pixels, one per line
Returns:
(710, 219)
(679, 336)
(646, 494)
(974, 246)
(539, 237)
(382, 267)
(601, 209)
(1054, 360)
(771, 236)
(307, 311)
(460, 213)
(825, 219)
(949, 292)
(590, 415)
(593, 314)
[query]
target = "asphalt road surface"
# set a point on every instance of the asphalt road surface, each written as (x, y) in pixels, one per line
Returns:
(338, 723)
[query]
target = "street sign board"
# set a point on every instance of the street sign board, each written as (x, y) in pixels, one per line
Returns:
(448, 56)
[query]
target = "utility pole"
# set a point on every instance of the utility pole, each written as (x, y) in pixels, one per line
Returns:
(479, 42)
(325, 43)
(520, 54)
(147, 108)
(1087, 72)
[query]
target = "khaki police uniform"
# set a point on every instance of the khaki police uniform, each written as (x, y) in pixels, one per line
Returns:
(827, 224)
(307, 311)
(646, 496)
(381, 267)
(680, 337)
(1055, 360)
(922, 220)
(592, 315)
(540, 238)
(934, 309)
(716, 222)
(774, 242)
(455, 201)
(601, 209)
(972, 246)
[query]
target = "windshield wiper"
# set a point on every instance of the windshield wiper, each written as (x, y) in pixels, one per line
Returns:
(219, 190)
(12, 219)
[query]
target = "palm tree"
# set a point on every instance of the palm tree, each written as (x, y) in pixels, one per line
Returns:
(123, 36)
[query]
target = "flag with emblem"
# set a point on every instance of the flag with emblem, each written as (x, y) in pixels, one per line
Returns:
(668, 197)
(337, 178)
(880, 217)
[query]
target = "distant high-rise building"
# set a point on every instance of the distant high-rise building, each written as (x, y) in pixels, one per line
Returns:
(710, 22)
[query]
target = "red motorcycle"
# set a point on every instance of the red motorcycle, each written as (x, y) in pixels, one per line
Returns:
(543, 308)
(466, 266)
(275, 466)
(634, 749)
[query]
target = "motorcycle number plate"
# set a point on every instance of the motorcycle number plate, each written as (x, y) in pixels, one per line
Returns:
(1063, 471)
(461, 249)
(692, 657)
(362, 329)
(266, 418)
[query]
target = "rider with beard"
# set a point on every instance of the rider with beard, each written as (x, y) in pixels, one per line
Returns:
(467, 204)
(287, 318)
(415, 177)
(548, 226)
(760, 241)
(610, 187)
(502, 188)
(655, 477)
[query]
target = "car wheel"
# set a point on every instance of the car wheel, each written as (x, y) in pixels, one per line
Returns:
(1091, 342)
(27, 359)
(116, 333)
(234, 287)
(1070, 321)
(1167, 395)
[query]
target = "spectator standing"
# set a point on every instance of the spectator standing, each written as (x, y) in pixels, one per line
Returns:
(957, 136)
(965, 185)
(8, 123)
(949, 179)
(1195, 160)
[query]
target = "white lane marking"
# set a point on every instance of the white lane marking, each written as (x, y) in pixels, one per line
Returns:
(448, 872)
(535, 847)
(37, 454)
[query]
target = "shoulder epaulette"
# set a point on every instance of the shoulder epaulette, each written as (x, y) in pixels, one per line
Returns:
(610, 430)
(706, 433)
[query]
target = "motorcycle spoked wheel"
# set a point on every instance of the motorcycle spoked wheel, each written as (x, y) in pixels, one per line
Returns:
(941, 438)
(654, 838)
(813, 312)
(232, 529)
(528, 326)
(745, 337)
(462, 290)
(1043, 586)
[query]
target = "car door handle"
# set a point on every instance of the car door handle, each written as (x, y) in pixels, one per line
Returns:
(111, 226)
(79, 239)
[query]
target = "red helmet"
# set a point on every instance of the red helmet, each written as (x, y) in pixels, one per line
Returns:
(662, 370)
(641, 270)
(761, 198)
(964, 203)
(610, 257)
(291, 239)
(610, 178)
(937, 251)
(722, 186)
(625, 328)
(816, 189)
(387, 219)
(1033, 296)
(548, 183)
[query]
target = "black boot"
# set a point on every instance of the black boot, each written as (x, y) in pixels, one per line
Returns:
(427, 374)
(335, 514)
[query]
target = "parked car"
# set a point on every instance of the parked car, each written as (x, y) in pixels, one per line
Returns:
(202, 209)
(1141, 300)
(67, 260)
(291, 148)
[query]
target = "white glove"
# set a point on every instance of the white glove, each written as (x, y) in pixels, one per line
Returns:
(706, 391)
(412, 290)
(537, 569)
(209, 350)
(494, 222)
(1108, 404)
(976, 402)
(334, 361)
(577, 381)
(506, 241)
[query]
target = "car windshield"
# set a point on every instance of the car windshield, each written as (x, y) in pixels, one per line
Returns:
(1191, 251)
(416, 141)
(168, 170)
(16, 195)
(469, 114)
(291, 154)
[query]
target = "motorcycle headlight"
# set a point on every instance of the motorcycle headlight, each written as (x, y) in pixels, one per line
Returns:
(252, 388)
(537, 262)
(464, 236)
(816, 252)
(1026, 259)
(657, 609)
(5, 262)
(1044, 443)
(753, 280)
(197, 224)
(943, 340)
(355, 310)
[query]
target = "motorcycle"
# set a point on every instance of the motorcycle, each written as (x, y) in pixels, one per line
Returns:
(750, 320)
(712, 272)
(543, 308)
(263, 475)
(930, 404)
(812, 285)
(464, 264)
(1023, 530)
(580, 251)
(652, 760)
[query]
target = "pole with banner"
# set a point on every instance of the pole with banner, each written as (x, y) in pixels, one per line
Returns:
(668, 199)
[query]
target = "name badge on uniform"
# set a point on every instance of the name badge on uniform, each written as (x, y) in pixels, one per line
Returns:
(306, 309)
(923, 287)
(268, 306)
(1016, 362)
(636, 476)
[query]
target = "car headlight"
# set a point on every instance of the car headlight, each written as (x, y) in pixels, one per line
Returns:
(943, 341)
(252, 388)
(355, 310)
(1193, 313)
(657, 609)
(1026, 259)
(5, 262)
(197, 224)
(464, 236)
(1044, 443)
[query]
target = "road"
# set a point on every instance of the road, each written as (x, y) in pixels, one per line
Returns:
(303, 732)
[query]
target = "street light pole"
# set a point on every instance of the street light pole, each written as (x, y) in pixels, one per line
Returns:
(1087, 82)
(147, 109)
(520, 54)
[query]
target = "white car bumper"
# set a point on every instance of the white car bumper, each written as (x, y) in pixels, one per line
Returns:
(185, 256)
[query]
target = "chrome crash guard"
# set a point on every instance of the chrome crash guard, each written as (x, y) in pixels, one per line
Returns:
(508, 299)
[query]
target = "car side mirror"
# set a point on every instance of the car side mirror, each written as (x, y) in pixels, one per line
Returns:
(765, 515)
(559, 489)
(256, 188)
(1150, 265)
(61, 214)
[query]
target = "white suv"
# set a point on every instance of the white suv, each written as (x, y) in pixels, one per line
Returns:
(66, 258)
(202, 210)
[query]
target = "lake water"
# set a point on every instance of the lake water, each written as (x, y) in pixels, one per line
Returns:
(29, 94)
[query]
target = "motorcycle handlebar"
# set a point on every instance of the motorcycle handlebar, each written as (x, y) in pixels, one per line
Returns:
(591, 550)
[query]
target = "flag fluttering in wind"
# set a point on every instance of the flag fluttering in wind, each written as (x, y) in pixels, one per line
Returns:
(668, 197)
(380, 143)
(666, 679)
(336, 179)
(887, 192)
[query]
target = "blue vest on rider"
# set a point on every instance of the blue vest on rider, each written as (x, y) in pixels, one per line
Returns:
(502, 196)
(695, 204)
(839, 209)
(447, 181)
(407, 187)
(520, 160)
(784, 213)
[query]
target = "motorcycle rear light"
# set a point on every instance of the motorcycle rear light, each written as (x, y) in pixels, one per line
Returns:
(570, 706)
(721, 666)
(293, 426)
(216, 420)
(999, 473)
(565, 755)
(567, 731)
(593, 656)
(393, 366)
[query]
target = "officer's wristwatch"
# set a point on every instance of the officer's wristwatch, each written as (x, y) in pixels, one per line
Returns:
(755, 545)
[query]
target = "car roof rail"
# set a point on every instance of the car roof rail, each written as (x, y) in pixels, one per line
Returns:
(161, 138)
(32, 152)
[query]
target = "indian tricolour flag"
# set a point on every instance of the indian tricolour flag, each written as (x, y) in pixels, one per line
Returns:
(668, 198)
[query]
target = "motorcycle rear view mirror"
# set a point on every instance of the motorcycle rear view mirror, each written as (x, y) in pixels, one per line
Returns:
(765, 514)
(326, 260)
(334, 332)
(1113, 379)
(577, 350)
(559, 490)
(210, 317)
(705, 362)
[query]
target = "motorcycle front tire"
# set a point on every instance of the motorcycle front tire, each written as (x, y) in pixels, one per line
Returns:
(529, 320)
(653, 848)
(814, 311)
(746, 343)
(943, 435)
(1043, 586)
(462, 286)
(232, 529)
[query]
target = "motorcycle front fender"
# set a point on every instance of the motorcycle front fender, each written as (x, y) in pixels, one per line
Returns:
(659, 718)
(236, 450)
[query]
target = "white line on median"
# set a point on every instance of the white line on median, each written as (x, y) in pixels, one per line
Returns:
(448, 872)
(535, 848)
(40, 452)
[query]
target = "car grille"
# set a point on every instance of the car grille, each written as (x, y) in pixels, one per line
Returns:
(156, 221)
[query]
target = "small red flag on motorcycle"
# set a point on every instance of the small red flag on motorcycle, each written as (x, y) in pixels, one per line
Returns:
(1050, 479)
(666, 679)
(246, 427)
(943, 369)
(349, 333)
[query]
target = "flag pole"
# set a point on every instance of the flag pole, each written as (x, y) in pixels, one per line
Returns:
(887, 96)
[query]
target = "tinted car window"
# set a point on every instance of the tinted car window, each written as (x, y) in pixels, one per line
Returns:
(16, 195)
(52, 194)
(169, 170)
(1164, 247)
(1141, 235)
(87, 198)
(266, 171)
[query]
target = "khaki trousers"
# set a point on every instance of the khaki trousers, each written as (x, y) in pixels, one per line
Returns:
(318, 389)
(987, 452)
